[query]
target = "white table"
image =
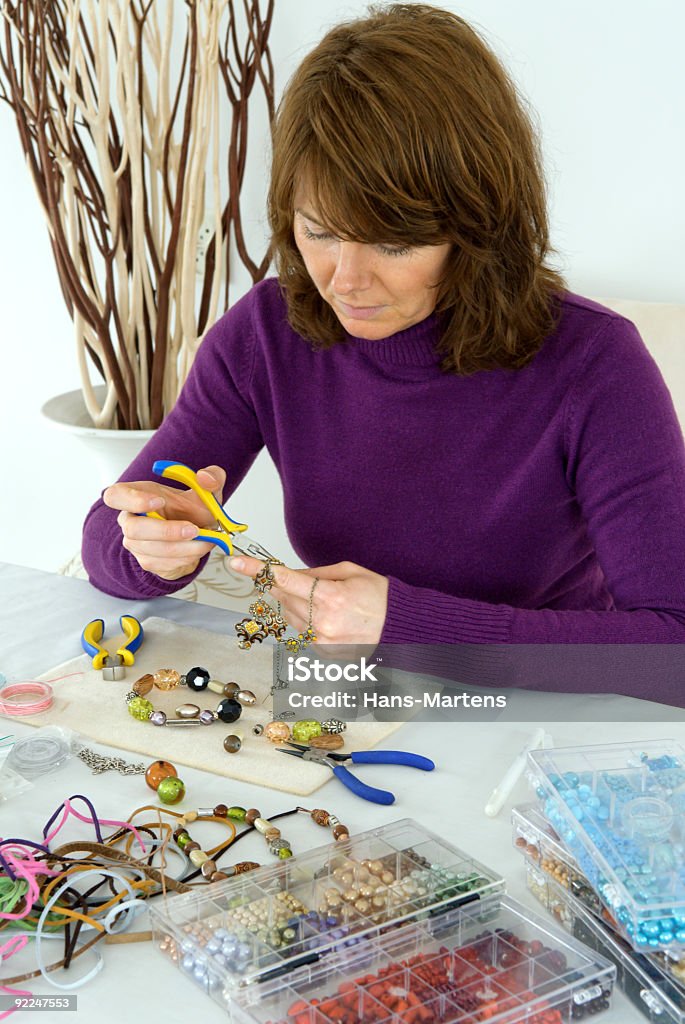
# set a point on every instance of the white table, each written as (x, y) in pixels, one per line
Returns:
(41, 622)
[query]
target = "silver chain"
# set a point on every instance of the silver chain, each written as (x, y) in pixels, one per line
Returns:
(100, 763)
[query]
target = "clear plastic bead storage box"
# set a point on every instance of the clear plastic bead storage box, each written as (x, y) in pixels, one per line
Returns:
(442, 944)
(619, 811)
(267, 923)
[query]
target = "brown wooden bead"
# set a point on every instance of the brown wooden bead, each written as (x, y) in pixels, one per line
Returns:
(320, 816)
(252, 816)
(230, 689)
(192, 845)
(208, 868)
(143, 685)
(218, 876)
(221, 811)
(340, 832)
(327, 741)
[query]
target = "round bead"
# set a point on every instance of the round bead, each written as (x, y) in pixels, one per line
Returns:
(143, 685)
(334, 725)
(252, 815)
(171, 790)
(192, 845)
(257, 730)
(340, 832)
(159, 770)
(277, 732)
(140, 708)
(246, 697)
(197, 679)
(237, 813)
(187, 711)
(230, 689)
(305, 729)
(221, 811)
(166, 679)
(232, 744)
(284, 853)
(158, 718)
(206, 717)
(229, 710)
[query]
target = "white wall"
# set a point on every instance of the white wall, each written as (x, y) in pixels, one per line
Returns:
(607, 80)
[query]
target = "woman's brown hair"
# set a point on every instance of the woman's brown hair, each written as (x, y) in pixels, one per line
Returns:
(408, 131)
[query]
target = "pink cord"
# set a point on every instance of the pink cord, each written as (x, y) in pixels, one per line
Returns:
(24, 865)
(29, 707)
(70, 809)
(13, 945)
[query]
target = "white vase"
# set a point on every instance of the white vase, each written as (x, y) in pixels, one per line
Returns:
(110, 451)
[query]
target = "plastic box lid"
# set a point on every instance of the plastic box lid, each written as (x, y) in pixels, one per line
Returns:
(270, 921)
(619, 811)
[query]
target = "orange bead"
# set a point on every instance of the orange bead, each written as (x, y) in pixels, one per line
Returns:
(159, 770)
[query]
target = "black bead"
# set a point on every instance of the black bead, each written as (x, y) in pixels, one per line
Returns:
(229, 710)
(197, 679)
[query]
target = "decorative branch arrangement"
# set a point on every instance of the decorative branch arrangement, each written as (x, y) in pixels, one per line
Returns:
(120, 117)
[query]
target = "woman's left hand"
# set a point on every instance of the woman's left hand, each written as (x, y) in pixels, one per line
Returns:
(349, 604)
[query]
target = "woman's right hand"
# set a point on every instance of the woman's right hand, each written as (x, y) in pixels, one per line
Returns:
(165, 547)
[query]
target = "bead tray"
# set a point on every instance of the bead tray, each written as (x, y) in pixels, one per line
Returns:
(645, 982)
(619, 811)
(276, 918)
(536, 840)
(490, 960)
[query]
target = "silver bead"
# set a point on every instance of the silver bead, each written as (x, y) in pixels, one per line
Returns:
(187, 711)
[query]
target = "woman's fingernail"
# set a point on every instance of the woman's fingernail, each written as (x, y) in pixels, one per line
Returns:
(237, 563)
(155, 503)
(189, 531)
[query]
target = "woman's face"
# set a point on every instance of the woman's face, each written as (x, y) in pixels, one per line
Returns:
(375, 290)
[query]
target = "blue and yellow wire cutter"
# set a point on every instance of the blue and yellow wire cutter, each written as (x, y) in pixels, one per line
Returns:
(113, 665)
(223, 533)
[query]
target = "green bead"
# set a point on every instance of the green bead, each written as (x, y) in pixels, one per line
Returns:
(306, 730)
(140, 708)
(183, 840)
(237, 813)
(171, 791)
(284, 853)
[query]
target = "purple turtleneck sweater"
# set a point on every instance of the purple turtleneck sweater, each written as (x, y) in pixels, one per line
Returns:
(541, 505)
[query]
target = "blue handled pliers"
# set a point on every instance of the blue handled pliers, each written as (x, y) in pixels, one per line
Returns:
(223, 533)
(336, 761)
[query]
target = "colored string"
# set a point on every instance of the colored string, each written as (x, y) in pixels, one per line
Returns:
(17, 708)
(12, 946)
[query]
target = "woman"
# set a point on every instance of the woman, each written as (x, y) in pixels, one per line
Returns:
(469, 453)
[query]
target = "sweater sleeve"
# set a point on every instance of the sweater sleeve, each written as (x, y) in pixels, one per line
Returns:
(625, 465)
(212, 423)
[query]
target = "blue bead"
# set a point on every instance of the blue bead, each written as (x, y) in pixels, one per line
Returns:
(571, 779)
(680, 935)
(666, 937)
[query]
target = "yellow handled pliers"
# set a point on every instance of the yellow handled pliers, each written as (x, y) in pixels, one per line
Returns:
(112, 665)
(225, 528)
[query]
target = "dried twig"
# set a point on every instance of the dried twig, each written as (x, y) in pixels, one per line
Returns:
(118, 113)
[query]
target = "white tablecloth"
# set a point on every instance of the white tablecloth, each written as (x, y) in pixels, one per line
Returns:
(41, 621)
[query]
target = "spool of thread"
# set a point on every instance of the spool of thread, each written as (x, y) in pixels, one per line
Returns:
(10, 705)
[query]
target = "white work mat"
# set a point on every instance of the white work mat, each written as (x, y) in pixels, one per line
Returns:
(97, 709)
